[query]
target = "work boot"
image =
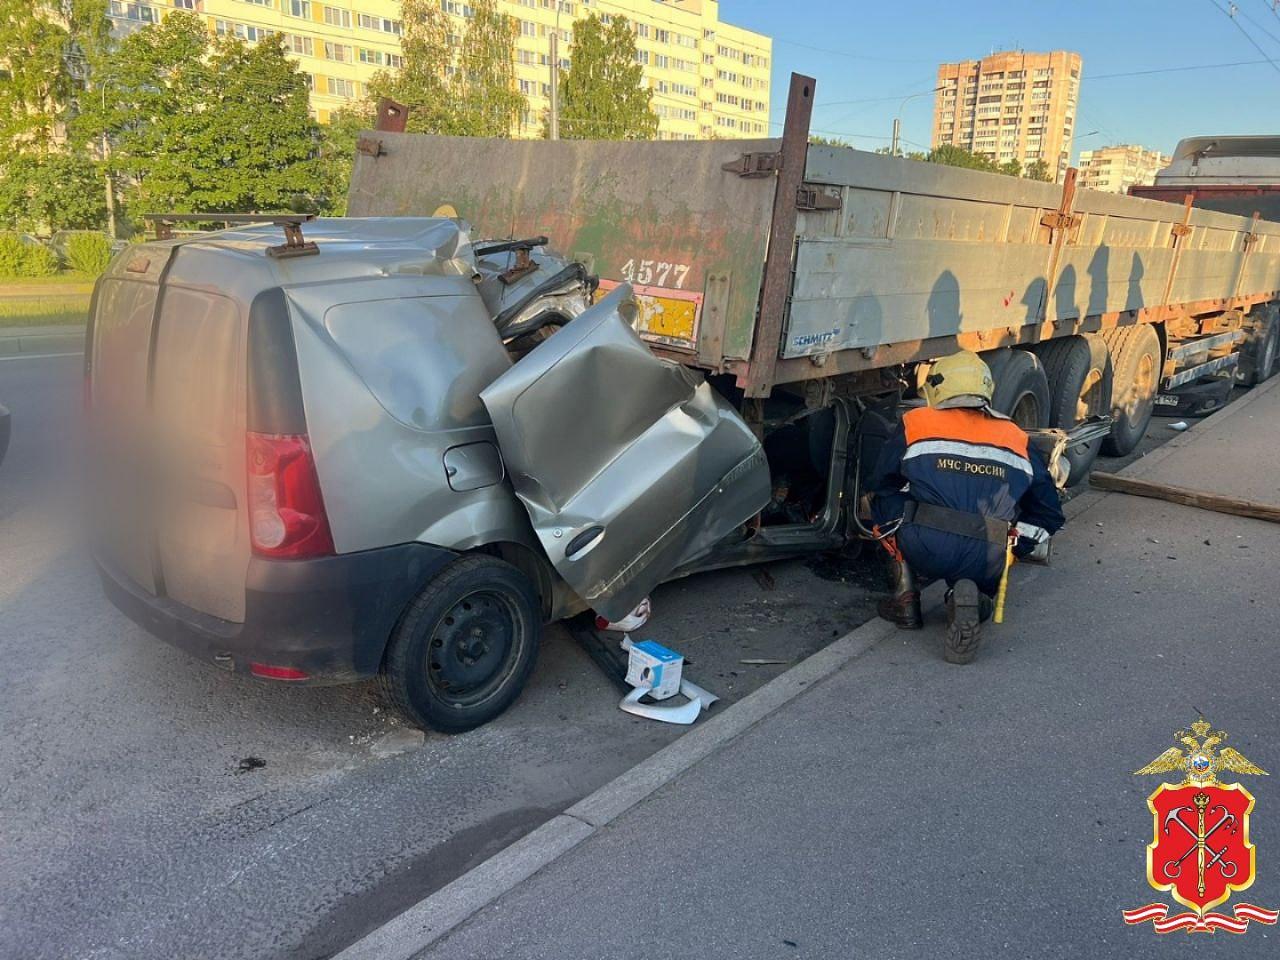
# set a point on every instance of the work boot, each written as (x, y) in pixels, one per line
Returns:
(986, 605)
(903, 608)
(964, 616)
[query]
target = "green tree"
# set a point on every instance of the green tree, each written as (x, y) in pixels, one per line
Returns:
(1039, 170)
(603, 95)
(470, 91)
(50, 53)
(952, 156)
(338, 150)
(422, 81)
(199, 125)
(487, 102)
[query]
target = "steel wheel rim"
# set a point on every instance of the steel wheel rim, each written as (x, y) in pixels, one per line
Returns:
(473, 648)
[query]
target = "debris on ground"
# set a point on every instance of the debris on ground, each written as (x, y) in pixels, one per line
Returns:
(248, 764)
(397, 742)
(761, 661)
(764, 578)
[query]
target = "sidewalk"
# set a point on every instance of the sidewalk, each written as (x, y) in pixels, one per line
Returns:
(905, 808)
(62, 338)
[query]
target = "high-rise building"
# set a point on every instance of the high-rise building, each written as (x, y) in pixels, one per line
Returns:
(1010, 106)
(1117, 168)
(709, 78)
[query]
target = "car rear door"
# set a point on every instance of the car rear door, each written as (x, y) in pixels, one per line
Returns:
(628, 465)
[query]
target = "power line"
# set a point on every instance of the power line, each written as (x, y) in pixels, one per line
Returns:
(1230, 12)
(1203, 66)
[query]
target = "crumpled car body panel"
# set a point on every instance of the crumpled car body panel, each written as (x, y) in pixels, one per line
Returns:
(628, 465)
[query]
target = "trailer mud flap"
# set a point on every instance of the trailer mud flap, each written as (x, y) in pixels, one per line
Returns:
(628, 465)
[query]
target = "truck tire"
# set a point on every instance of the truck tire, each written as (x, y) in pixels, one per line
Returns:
(1022, 389)
(1260, 358)
(1079, 372)
(1137, 362)
(465, 647)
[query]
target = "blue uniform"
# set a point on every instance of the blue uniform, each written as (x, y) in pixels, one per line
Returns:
(963, 460)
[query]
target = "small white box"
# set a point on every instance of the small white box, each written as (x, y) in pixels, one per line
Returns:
(653, 665)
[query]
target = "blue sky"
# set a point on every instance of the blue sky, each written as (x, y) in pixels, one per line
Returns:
(884, 51)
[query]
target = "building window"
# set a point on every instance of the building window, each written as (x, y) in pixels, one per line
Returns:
(642, 30)
(138, 12)
(300, 45)
(300, 8)
(260, 3)
(337, 51)
(185, 4)
(374, 57)
(383, 24)
(457, 9)
(337, 18)
(341, 88)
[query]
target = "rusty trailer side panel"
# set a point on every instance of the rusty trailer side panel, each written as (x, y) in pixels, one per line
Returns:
(920, 253)
(779, 261)
(690, 236)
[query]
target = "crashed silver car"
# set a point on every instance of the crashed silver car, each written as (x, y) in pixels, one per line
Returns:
(393, 451)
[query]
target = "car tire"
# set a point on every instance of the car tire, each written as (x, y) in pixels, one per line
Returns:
(465, 647)
(1260, 358)
(1137, 364)
(1021, 388)
(1079, 372)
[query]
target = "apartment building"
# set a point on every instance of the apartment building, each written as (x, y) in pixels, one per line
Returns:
(1117, 168)
(709, 78)
(1010, 106)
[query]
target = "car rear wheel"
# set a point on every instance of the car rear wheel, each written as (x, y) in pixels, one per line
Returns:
(1079, 372)
(465, 647)
(1136, 360)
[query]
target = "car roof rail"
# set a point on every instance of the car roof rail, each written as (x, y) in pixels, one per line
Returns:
(295, 245)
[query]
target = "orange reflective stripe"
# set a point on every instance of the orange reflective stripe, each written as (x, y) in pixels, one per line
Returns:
(966, 425)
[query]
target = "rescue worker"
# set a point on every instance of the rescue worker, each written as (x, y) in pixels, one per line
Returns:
(948, 485)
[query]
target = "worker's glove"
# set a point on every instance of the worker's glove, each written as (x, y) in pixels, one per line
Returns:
(1029, 537)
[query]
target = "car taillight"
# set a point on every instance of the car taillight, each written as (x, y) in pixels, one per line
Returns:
(286, 512)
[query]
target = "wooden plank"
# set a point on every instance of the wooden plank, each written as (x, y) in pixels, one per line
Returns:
(1187, 497)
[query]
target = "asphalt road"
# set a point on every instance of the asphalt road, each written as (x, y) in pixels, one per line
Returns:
(129, 828)
(903, 808)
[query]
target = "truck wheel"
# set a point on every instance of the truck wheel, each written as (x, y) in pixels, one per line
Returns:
(465, 646)
(1260, 358)
(1022, 390)
(1079, 372)
(1136, 360)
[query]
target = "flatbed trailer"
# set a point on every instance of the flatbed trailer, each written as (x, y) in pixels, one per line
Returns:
(826, 269)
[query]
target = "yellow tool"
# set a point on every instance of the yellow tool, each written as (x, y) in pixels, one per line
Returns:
(998, 616)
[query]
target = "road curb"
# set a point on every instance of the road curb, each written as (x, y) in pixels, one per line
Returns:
(430, 919)
(41, 343)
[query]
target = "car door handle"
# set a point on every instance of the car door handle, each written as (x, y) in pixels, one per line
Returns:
(583, 542)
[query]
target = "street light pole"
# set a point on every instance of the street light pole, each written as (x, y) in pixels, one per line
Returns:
(897, 120)
(555, 77)
(106, 172)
